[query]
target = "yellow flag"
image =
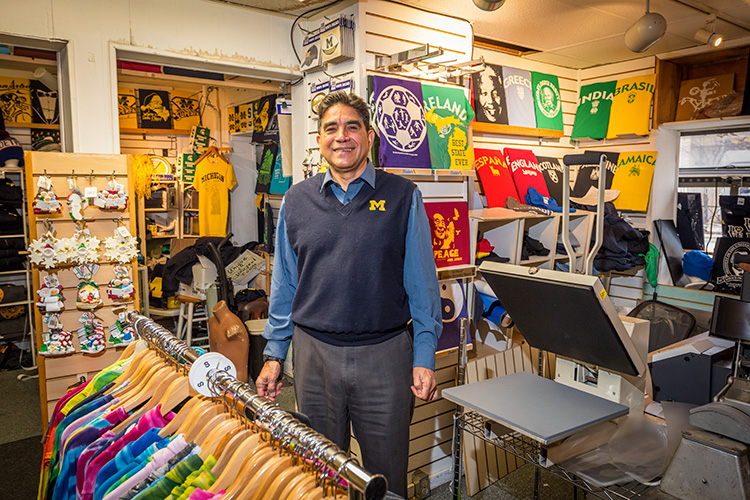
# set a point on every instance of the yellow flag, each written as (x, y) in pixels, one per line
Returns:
(633, 179)
(631, 106)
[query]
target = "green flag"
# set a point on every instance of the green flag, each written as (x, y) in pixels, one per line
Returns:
(592, 115)
(547, 101)
(448, 115)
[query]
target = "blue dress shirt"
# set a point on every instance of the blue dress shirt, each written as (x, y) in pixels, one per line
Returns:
(420, 279)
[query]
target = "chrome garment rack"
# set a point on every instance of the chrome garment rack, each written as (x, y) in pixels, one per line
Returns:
(282, 426)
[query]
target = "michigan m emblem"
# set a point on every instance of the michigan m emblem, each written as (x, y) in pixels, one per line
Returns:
(377, 205)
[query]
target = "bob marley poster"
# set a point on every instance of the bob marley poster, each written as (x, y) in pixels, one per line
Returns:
(153, 109)
(449, 224)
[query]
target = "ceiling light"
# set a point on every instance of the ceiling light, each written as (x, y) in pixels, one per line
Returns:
(646, 31)
(489, 5)
(708, 34)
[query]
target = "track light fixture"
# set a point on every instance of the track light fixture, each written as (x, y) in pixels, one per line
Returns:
(646, 31)
(489, 5)
(708, 34)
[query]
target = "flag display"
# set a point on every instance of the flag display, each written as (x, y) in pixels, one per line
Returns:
(495, 177)
(633, 179)
(447, 114)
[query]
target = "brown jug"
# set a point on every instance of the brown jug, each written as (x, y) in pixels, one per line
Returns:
(227, 335)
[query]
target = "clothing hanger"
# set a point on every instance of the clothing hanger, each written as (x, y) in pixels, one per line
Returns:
(192, 427)
(210, 445)
(178, 419)
(287, 488)
(237, 450)
(146, 390)
(153, 400)
(237, 463)
(288, 475)
(248, 471)
(260, 482)
(229, 443)
(211, 151)
(198, 434)
(296, 493)
(135, 375)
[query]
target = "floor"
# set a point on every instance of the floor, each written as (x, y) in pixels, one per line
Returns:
(21, 448)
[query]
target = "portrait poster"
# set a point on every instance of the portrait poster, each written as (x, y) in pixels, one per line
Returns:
(266, 167)
(547, 101)
(519, 97)
(727, 275)
(495, 177)
(44, 104)
(126, 107)
(526, 172)
(185, 109)
(264, 115)
(153, 109)
(400, 120)
(15, 100)
(449, 225)
(698, 93)
(453, 307)
(448, 114)
(592, 114)
(631, 106)
(552, 171)
(633, 177)
(488, 95)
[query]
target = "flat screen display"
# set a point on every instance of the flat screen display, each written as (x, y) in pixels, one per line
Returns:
(731, 319)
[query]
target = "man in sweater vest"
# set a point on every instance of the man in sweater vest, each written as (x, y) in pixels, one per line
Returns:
(354, 285)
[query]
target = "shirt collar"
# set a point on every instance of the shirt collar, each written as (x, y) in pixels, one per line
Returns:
(367, 176)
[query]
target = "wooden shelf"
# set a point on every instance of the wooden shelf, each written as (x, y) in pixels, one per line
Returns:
(456, 272)
(49, 126)
(154, 131)
(496, 128)
(430, 172)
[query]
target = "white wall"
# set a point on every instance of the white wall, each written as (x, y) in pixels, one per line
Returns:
(193, 31)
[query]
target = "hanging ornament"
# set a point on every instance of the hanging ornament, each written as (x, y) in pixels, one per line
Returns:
(121, 332)
(114, 197)
(81, 248)
(46, 201)
(120, 288)
(91, 334)
(121, 247)
(88, 295)
(47, 252)
(50, 295)
(76, 201)
(56, 341)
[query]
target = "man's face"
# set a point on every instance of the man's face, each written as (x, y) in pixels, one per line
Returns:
(488, 96)
(343, 140)
(439, 222)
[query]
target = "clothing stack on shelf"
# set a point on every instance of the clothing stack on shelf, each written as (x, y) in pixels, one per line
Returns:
(11, 226)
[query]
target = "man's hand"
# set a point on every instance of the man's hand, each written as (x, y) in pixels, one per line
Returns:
(425, 385)
(268, 383)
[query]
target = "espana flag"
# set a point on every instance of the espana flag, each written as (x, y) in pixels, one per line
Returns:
(633, 179)
(631, 106)
(448, 114)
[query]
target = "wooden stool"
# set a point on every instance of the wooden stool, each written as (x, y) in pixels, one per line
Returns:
(187, 317)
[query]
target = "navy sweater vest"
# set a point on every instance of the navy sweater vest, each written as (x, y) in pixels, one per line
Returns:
(350, 259)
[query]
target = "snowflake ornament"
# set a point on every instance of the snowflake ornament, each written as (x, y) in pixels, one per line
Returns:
(121, 247)
(47, 251)
(82, 248)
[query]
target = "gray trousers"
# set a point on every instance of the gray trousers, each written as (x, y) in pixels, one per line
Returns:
(367, 386)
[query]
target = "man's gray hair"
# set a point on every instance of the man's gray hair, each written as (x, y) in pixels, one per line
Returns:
(347, 99)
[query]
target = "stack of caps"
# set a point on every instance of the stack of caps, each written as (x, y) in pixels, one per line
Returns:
(11, 152)
(337, 40)
(311, 48)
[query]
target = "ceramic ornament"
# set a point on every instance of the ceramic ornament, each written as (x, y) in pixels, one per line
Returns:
(91, 334)
(76, 201)
(121, 332)
(47, 252)
(56, 343)
(46, 201)
(114, 197)
(121, 247)
(82, 247)
(120, 288)
(50, 295)
(88, 295)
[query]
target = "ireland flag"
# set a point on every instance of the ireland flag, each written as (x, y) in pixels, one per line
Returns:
(448, 114)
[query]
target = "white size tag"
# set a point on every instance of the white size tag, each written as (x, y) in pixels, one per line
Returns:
(90, 192)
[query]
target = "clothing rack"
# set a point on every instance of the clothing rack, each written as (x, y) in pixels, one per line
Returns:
(283, 427)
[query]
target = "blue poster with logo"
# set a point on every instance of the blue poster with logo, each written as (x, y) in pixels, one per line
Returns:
(400, 120)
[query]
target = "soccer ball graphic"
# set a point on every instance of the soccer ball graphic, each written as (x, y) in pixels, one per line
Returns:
(400, 118)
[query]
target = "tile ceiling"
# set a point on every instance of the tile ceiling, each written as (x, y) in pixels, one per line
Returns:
(572, 33)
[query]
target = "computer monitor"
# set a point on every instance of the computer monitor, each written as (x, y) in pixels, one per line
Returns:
(567, 314)
(731, 319)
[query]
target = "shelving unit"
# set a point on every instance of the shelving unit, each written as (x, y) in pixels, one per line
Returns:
(505, 228)
(18, 276)
(56, 373)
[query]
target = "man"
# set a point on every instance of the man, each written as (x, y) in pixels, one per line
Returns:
(490, 98)
(353, 265)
